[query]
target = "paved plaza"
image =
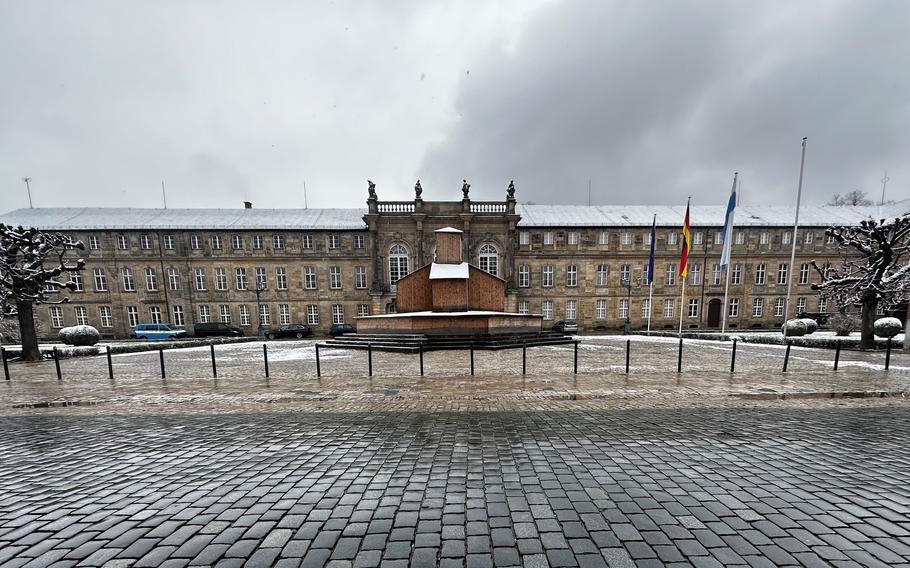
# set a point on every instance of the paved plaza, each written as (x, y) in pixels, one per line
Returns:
(654, 468)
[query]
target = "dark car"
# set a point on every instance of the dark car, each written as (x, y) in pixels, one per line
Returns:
(563, 326)
(216, 330)
(820, 318)
(341, 329)
(294, 330)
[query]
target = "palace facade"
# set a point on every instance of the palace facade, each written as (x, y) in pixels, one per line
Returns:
(269, 267)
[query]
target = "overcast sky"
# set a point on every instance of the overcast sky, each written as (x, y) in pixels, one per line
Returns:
(651, 101)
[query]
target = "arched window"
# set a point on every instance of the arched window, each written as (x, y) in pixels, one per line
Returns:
(398, 263)
(489, 259)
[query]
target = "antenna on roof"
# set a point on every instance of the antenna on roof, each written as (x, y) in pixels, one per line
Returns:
(304, 195)
(163, 195)
(589, 192)
(29, 190)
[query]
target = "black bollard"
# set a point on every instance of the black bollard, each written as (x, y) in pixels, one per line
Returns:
(836, 355)
(628, 353)
(679, 357)
(576, 357)
(888, 354)
(57, 365)
(161, 360)
(265, 358)
(472, 358)
(787, 357)
(110, 364)
(370, 359)
(733, 357)
(318, 369)
(524, 357)
(5, 363)
(214, 366)
(420, 351)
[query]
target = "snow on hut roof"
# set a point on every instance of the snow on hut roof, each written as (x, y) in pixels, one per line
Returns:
(87, 218)
(448, 230)
(439, 271)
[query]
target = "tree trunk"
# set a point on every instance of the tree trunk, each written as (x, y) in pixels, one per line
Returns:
(27, 332)
(868, 328)
(907, 328)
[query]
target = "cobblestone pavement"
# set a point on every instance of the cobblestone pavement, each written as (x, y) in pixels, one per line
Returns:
(764, 486)
(447, 384)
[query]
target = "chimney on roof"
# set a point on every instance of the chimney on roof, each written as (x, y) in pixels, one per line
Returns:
(247, 204)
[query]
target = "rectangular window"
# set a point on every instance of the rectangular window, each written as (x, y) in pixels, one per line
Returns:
(100, 280)
(358, 241)
(697, 238)
(736, 274)
(151, 280)
(76, 279)
(734, 308)
(244, 315)
(739, 238)
(571, 309)
(145, 241)
(719, 238)
(132, 316)
(284, 314)
(265, 315)
(547, 310)
(524, 276)
(604, 238)
(625, 274)
(237, 242)
(823, 305)
(81, 315)
(363, 310)
(107, 320)
(715, 275)
(205, 314)
(524, 307)
(800, 306)
(281, 278)
(646, 308)
(155, 314)
(671, 275)
(600, 309)
(257, 242)
(225, 312)
(221, 279)
(782, 270)
(810, 237)
(360, 277)
(668, 308)
(760, 273)
(693, 308)
(626, 238)
(278, 242)
(758, 306)
(573, 238)
(169, 242)
(309, 277)
(240, 278)
(173, 279)
(216, 242)
(602, 274)
(548, 237)
(804, 273)
(646, 273)
(829, 239)
(763, 238)
(647, 238)
(571, 275)
(179, 318)
(56, 317)
(334, 277)
(779, 307)
(695, 274)
(671, 238)
(334, 241)
(785, 237)
(199, 279)
(312, 314)
(195, 242)
(93, 242)
(337, 313)
(623, 308)
(123, 242)
(262, 281)
(306, 241)
(524, 237)
(546, 276)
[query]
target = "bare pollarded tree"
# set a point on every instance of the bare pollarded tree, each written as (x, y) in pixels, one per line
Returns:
(878, 275)
(855, 198)
(31, 263)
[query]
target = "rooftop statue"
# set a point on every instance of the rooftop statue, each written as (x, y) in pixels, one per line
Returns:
(372, 189)
(417, 190)
(465, 187)
(510, 193)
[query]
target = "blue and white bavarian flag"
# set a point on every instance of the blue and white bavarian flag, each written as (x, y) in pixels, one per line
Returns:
(728, 226)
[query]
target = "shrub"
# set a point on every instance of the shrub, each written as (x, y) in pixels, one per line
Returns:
(80, 335)
(794, 328)
(887, 327)
(811, 325)
(843, 325)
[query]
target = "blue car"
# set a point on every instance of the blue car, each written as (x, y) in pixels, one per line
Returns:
(156, 331)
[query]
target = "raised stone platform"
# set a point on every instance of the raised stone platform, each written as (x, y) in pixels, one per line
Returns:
(451, 323)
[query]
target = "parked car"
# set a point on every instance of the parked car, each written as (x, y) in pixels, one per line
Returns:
(341, 328)
(216, 330)
(820, 318)
(293, 330)
(565, 326)
(158, 331)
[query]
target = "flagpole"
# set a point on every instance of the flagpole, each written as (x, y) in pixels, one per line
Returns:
(724, 308)
(682, 302)
(651, 271)
(650, 304)
(799, 192)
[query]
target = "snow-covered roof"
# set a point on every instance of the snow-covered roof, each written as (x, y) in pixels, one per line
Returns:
(448, 230)
(87, 218)
(429, 314)
(441, 271)
(699, 215)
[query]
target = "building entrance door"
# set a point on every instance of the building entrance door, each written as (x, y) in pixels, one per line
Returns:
(714, 313)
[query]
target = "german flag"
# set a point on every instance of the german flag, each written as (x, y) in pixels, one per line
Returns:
(684, 259)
